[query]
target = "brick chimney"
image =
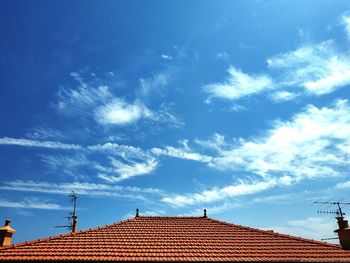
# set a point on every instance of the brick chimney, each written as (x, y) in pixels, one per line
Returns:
(343, 233)
(6, 233)
(75, 222)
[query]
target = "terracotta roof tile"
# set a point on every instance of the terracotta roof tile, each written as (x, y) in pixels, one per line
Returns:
(202, 239)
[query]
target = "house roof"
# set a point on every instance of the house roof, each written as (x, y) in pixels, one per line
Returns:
(149, 238)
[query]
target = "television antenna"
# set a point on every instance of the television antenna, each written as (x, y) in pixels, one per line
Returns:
(338, 212)
(72, 217)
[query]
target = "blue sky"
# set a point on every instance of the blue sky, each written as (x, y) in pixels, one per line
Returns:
(239, 107)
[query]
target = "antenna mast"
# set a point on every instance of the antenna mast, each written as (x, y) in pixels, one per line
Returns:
(72, 217)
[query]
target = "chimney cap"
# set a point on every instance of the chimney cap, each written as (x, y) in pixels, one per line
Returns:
(7, 227)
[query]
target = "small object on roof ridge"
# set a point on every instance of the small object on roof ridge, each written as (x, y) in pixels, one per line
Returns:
(137, 212)
(205, 213)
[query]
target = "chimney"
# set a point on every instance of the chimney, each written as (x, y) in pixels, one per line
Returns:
(74, 225)
(343, 233)
(6, 233)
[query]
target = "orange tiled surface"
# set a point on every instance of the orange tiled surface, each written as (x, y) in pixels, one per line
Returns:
(147, 238)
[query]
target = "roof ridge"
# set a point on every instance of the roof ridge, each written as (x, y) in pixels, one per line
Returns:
(269, 232)
(40, 240)
(166, 217)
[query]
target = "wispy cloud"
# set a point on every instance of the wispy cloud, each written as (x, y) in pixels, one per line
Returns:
(274, 198)
(81, 188)
(136, 162)
(183, 152)
(128, 170)
(31, 203)
(216, 194)
(239, 85)
(216, 143)
(39, 144)
(154, 85)
(86, 96)
(44, 133)
(66, 164)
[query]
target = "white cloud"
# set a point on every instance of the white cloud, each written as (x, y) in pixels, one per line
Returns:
(119, 112)
(217, 194)
(304, 147)
(346, 23)
(343, 185)
(128, 170)
(31, 203)
(319, 69)
(126, 152)
(136, 162)
(167, 57)
(274, 198)
(316, 228)
(181, 153)
(39, 144)
(281, 96)
(239, 85)
(81, 188)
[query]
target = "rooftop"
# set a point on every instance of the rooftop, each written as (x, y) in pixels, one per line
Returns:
(153, 238)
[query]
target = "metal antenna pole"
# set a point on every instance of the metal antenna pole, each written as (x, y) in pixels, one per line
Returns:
(72, 218)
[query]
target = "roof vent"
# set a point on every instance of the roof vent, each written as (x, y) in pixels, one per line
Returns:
(205, 213)
(137, 212)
